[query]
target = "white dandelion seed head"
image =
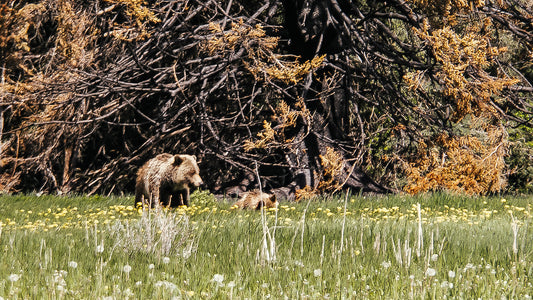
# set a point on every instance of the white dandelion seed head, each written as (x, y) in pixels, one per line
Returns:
(430, 272)
(434, 257)
(151, 266)
(100, 248)
(386, 264)
(451, 274)
(126, 269)
(13, 277)
(166, 284)
(218, 278)
(469, 266)
(166, 260)
(317, 272)
(73, 264)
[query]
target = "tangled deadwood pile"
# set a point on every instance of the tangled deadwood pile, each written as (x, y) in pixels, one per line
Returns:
(286, 94)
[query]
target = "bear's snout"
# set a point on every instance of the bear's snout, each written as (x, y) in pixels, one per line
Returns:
(197, 180)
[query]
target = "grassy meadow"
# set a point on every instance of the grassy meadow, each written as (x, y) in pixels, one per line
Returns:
(353, 247)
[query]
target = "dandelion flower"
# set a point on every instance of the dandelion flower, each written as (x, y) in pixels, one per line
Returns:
(434, 257)
(317, 272)
(151, 266)
(126, 269)
(166, 260)
(13, 277)
(469, 266)
(218, 279)
(166, 284)
(451, 274)
(128, 293)
(430, 272)
(298, 263)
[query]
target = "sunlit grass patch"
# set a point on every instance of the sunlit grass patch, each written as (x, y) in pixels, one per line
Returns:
(66, 217)
(432, 246)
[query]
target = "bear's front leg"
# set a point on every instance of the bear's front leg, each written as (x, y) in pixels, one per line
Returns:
(175, 199)
(185, 196)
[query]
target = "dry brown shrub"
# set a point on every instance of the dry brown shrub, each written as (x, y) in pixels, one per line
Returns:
(261, 61)
(472, 159)
(75, 35)
(285, 117)
(139, 16)
(332, 164)
(466, 164)
(463, 59)
(306, 193)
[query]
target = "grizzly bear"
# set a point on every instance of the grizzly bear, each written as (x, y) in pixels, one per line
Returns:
(256, 200)
(166, 180)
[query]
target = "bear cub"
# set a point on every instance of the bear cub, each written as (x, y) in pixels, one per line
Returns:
(256, 200)
(166, 179)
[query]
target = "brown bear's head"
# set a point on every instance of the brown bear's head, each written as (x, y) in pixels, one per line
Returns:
(186, 170)
(267, 201)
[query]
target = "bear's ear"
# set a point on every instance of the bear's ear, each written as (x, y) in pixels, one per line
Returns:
(260, 204)
(272, 198)
(176, 160)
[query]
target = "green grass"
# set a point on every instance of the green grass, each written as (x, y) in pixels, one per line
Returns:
(102, 248)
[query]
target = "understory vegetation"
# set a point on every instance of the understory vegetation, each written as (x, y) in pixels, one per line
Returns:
(428, 246)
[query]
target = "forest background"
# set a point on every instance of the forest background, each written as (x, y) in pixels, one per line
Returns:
(298, 96)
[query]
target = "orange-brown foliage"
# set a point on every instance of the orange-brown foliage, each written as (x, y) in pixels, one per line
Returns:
(262, 62)
(332, 164)
(471, 161)
(466, 164)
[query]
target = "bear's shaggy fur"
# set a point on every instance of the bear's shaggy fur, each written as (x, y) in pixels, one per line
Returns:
(166, 179)
(256, 200)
